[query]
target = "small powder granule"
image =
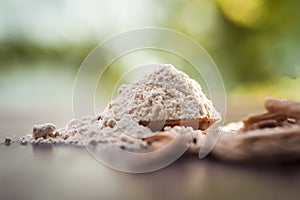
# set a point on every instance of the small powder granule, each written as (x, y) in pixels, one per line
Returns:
(197, 137)
(43, 130)
(7, 141)
(165, 94)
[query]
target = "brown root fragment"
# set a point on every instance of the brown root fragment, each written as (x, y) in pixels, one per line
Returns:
(159, 140)
(272, 136)
(270, 123)
(200, 124)
(280, 113)
(270, 145)
(252, 119)
(283, 107)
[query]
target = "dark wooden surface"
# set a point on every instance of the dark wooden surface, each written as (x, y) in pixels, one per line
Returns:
(47, 172)
(53, 172)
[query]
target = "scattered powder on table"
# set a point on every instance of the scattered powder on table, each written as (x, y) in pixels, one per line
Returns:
(164, 94)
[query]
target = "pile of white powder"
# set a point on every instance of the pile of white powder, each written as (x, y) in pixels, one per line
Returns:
(165, 94)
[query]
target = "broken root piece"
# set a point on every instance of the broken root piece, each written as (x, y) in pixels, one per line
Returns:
(159, 140)
(272, 136)
(280, 112)
(283, 107)
(196, 124)
(260, 146)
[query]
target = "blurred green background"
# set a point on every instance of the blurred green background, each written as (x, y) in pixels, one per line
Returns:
(255, 44)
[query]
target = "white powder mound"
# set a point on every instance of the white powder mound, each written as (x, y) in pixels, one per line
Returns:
(164, 94)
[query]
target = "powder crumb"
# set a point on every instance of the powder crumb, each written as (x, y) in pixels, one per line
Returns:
(44, 130)
(196, 136)
(181, 130)
(7, 141)
(23, 141)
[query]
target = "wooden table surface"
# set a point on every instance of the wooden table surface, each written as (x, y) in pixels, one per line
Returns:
(57, 172)
(47, 172)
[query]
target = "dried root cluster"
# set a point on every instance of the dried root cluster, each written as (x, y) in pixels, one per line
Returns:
(272, 136)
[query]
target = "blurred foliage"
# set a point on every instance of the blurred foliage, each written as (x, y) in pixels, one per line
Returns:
(25, 51)
(251, 41)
